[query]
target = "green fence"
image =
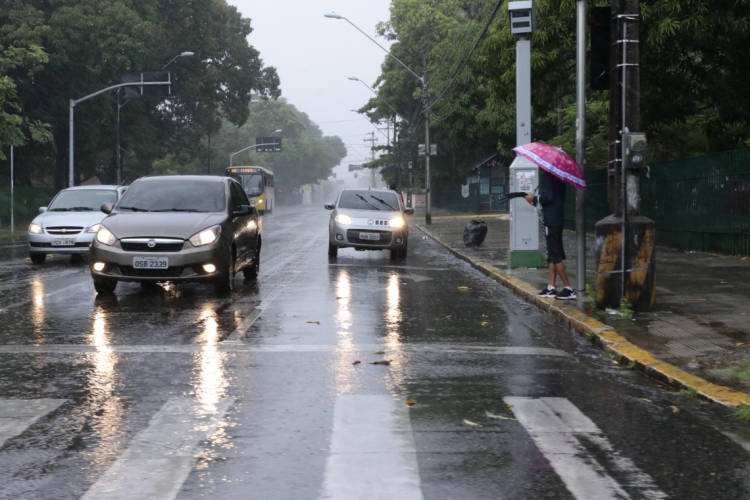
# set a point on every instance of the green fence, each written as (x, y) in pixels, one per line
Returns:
(449, 199)
(700, 203)
(26, 204)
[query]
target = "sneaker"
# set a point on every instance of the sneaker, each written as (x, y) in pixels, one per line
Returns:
(547, 293)
(567, 294)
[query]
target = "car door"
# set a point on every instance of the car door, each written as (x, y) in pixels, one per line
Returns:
(241, 232)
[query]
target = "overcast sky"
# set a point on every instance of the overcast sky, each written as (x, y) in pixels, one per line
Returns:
(315, 55)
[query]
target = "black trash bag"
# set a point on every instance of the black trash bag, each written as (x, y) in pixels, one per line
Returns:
(475, 232)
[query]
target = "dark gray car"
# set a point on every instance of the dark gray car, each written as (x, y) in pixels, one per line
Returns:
(179, 229)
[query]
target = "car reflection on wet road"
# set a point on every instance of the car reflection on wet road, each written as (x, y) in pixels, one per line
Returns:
(281, 390)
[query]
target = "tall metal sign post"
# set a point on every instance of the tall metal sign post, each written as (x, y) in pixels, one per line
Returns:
(12, 221)
(581, 142)
(524, 175)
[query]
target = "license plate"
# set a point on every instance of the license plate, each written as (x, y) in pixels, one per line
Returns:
(150, 262)
(369, 236)
(63, 242)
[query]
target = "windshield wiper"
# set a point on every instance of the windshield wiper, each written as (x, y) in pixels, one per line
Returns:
(178, 210)
(81, 209)
(59, 210)
(134, 209)
(383, 202)
(367, 202)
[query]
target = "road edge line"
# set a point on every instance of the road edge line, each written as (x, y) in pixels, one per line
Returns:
(604, 336)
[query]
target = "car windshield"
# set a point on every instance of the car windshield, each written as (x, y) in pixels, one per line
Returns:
(174, 195)
(82, 200)
(369, 200)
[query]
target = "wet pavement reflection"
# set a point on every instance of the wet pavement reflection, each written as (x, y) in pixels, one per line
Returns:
(273, 391)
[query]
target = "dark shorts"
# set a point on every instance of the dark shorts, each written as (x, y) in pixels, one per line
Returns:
(555, 250)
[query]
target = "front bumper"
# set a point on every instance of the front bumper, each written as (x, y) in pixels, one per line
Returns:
(42, 243)
(349, 236)
(185, 266)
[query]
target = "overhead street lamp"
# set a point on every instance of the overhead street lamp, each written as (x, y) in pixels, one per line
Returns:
(423, 80)
(355, 79)
(184, 54)
(232, 155)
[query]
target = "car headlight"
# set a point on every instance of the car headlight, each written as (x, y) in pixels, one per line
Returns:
(397, 222)
(105, 236)
(343, 219)
(94, 228)
(35, 228)
(205, 237)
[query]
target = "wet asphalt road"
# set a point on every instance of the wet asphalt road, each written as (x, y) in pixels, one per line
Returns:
(181, 393)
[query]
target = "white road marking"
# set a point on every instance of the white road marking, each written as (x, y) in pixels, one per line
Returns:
(160, 457)
(16, 415)
(254, 315)
(43, 297)
(560, 430)
(373, 455)
(189, 348)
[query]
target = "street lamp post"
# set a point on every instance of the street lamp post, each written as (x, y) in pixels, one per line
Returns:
(232, 155)
(423, 80)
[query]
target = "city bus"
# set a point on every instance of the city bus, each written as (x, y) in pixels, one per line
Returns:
(258, 185)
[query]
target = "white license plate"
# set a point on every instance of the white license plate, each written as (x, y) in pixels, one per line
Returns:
(63, 242)
(150, 262)
(369, 236)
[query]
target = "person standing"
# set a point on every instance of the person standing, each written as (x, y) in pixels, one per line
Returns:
(552, 200)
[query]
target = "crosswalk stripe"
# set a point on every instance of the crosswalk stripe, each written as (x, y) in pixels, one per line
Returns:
(16, 415)
(160, 457)
(373, 456)
(558, 428)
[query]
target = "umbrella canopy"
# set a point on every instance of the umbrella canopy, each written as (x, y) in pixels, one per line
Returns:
(555, 161)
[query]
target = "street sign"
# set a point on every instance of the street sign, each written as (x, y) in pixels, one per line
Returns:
(268, 144)
(421, 150)
(353, 167)
(410, 165)
(147, 91)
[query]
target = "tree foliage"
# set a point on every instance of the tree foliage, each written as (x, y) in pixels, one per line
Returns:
(694, 85)
(90, 43)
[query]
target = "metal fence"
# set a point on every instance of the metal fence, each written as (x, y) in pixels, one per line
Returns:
(700, 203)
(483, 199)
(27, 201)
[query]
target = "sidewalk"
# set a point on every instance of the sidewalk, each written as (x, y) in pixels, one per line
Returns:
(697, 336)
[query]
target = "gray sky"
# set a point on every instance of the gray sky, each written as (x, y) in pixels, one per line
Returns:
(314, 56)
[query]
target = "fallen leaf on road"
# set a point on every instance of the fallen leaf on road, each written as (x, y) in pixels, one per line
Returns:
(410, 402)
(509, 406)
(473, 424)
(342, 298)
(295, 338)
(484, 323)
(463, 288)
(382, 362)
(738, 344)
(675, 409)
(356, 362)
(490, 415)
(615, 362)
(646, 400)
(314, 322)
(378, 352)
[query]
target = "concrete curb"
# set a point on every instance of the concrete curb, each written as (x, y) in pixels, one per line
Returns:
(604, 336)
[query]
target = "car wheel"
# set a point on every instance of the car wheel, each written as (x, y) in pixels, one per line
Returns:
(38, 258)
(333, 250)
(105, 286)
(225, 282)
(251, 272)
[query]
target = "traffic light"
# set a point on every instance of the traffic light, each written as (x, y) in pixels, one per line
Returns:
(601, 25)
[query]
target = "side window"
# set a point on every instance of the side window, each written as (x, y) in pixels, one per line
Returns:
(235, 196)
(243, 196)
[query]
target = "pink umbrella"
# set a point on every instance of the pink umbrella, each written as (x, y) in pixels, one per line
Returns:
(555, 161)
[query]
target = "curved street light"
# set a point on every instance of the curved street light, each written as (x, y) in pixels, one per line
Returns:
(184, 54)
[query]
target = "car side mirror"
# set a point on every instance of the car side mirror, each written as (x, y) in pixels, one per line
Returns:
(107, 208)
(42, 210)
(330, 206)
(409, 211)
(255, 212)
(242, 210)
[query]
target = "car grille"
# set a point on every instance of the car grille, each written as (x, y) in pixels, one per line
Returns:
(353, 236)
(131, 272)
(37, 244)
(64, 230)
(158, 247)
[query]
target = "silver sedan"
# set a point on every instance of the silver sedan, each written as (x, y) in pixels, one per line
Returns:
(368, 219)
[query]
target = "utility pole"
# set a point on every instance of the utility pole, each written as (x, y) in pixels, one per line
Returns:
(427, 190)
(625, 240)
